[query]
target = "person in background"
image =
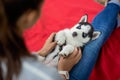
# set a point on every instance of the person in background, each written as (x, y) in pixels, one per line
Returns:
(16, 63)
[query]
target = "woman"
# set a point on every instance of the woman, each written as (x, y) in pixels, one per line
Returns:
(16, 63)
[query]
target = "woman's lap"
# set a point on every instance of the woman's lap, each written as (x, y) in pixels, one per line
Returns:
(104, 22)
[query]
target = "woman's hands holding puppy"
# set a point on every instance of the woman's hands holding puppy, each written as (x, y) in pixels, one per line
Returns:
(48, 46)
(67, 63)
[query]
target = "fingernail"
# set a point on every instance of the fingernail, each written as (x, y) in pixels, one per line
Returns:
(54, 32)
(80, 51)
(77, 49)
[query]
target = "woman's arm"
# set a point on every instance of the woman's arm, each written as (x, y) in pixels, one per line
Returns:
(34, 70)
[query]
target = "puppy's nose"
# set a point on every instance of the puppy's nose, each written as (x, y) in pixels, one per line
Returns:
(74, 34)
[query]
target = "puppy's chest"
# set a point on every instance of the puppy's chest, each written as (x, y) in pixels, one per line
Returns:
(73, 42)
(62, 46)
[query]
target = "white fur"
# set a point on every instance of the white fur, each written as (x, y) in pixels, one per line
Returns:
(71, 42)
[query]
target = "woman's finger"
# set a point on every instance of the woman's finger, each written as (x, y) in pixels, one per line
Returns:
(51, 37)
(78, 57)
(79, 50)
(74, 53)
(61, 57)
(53, 44)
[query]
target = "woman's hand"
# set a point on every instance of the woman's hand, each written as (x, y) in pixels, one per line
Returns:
(67, 63)
(48, 46)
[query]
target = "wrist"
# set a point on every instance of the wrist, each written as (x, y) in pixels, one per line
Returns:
(64, 74)
(63, 69)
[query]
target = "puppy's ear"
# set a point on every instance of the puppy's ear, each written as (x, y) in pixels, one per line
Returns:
(84, 18)
(96, 34)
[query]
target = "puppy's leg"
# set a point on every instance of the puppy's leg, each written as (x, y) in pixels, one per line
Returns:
(54, 62)
(68, 49)
(60, 38)
(51, 56)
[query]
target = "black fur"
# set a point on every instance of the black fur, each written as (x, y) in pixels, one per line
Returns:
(90, 33)
(60, 48)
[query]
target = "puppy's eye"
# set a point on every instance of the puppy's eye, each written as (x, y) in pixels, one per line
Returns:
(84, 35)
(79, 27)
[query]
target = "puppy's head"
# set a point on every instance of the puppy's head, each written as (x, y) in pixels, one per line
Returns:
(83, 31)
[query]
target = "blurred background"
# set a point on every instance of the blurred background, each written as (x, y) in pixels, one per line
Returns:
(101, 1)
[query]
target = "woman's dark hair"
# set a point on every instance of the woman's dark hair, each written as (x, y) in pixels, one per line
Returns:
(12, 47)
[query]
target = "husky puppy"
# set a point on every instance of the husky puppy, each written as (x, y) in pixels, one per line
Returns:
(67, 39)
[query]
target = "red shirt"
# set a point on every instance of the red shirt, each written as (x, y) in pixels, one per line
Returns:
(108, 64)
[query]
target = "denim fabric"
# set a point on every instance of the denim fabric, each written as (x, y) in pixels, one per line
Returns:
(104, 22)
(115, 2)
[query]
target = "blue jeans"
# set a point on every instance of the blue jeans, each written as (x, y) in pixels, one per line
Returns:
(106, 23)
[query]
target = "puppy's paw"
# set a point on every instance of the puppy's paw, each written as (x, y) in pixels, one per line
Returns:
(64, 53)
(60, 42)
(47, 61)
(67, 50)
(60, 39)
